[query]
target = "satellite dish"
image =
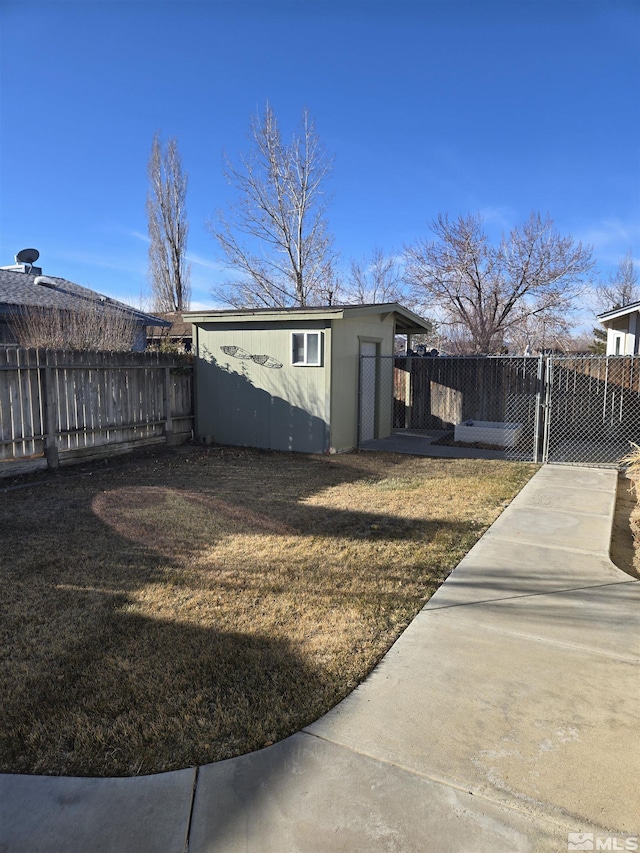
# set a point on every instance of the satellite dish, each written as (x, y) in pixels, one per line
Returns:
(27, 256)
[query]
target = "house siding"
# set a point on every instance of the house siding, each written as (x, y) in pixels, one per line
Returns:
(625, 329)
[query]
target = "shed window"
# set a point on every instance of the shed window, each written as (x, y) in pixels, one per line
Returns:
(306, 348)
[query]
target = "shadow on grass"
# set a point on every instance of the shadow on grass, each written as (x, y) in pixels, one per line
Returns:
(136, 695)
(94, 687)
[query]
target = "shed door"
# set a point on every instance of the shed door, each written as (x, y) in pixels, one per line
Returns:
(368, 389)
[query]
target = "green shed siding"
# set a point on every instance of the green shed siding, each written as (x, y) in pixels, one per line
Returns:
(243, 402)
(250, 393)
(348, 333)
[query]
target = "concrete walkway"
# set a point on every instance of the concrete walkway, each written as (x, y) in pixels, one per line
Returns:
(505, 717)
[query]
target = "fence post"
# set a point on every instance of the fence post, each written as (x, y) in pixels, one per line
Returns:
(50, 415)
(168, 422)
(548, 381)
(538, 418)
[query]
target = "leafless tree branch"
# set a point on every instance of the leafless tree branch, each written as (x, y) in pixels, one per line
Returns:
(375, 280)
(622, 288)
(275, 236)
(484, 292)
(169, 272)
(90, 328)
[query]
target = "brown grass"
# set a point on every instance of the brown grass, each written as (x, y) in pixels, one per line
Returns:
(625, 535)
(182, 608)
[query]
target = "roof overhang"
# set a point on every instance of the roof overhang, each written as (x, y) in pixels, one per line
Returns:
(149, 320)
(618, 312)
(406, 321)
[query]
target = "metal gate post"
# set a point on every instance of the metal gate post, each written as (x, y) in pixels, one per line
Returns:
(548, 381)
(538, 421)
(606, 390)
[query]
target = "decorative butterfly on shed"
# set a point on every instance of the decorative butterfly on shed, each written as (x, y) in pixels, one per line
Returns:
(264, 360)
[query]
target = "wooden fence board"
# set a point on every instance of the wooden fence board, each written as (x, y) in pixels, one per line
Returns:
(79, 404)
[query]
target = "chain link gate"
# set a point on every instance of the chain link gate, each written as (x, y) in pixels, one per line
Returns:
(574, 410)
(591, 408)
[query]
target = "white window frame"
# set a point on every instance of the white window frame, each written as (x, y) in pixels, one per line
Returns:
(307, 334)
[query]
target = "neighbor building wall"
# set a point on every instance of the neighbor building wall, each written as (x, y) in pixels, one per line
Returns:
(626, 330)
(347, 335)
(265, 401)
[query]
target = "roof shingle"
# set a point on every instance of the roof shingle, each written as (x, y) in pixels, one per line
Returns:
(22, 289)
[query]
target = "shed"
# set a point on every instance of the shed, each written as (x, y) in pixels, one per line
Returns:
(294, 379)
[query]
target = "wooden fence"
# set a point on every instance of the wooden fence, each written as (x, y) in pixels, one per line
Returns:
(58, 406)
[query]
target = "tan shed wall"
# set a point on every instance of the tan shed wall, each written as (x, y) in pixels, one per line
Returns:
(347, 335)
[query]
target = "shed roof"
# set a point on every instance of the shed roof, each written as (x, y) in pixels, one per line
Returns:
(28, 290)
(406, 321)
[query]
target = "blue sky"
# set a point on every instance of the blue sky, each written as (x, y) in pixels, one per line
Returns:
(459, 107)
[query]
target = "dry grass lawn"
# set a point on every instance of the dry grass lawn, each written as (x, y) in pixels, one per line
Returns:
(188, 606)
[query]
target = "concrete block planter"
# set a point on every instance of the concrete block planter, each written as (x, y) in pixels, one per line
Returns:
(488, 432)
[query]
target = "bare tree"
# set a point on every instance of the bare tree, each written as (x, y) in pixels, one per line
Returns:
(483, 292)
(87, 328)
(540, 332)
(374, 280)
(275, 236)
(622, 288)
(169, 273)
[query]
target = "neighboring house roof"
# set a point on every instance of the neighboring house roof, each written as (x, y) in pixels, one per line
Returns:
(615, 313)
(19, 290)
(406, 321)
(178, 327)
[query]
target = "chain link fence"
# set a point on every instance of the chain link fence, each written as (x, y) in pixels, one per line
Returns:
(580, 410)
(591, 408)
(490, 402)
